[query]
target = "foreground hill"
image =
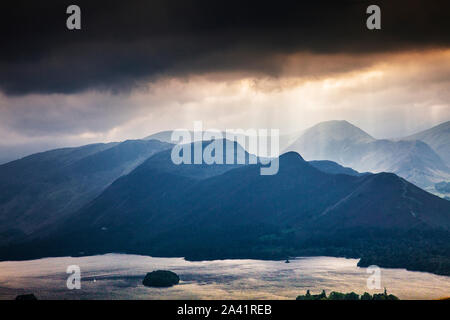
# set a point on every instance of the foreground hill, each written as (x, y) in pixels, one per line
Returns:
(348, 145)
(40, 190)
(167, 210)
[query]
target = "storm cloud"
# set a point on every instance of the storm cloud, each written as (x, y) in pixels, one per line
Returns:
(139, 67)
(123, 44)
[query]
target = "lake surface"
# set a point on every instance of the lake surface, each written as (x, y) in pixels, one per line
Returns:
(119, 276)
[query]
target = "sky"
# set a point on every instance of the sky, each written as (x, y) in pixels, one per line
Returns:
(139, 67)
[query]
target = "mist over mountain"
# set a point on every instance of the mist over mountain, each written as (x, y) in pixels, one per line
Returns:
(348, 145)
(437, 138)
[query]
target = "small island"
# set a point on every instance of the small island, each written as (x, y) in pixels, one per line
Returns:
(26, 297)
(161, 279)
(347, 296)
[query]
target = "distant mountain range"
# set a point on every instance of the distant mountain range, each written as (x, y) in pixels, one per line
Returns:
(130, 197)
(437, 138)
(217, 211)
(421, 159)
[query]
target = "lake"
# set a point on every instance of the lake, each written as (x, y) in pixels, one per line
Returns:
(119, 276)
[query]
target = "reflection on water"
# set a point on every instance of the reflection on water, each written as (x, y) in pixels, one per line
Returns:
(117, 276)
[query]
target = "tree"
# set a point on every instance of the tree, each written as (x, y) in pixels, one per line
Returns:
(351, 296)
(336, 296)
(366, 296)
(323, 295)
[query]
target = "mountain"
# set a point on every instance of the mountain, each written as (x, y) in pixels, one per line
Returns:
(284, 140)
(329, 140)
(349, 146)
(167, 210)
(334, 168)
(163, 136)
(162, 162)
(323, 165)
(40, 190)
(437, 138)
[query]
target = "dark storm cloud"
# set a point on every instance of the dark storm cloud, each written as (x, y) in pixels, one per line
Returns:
(125, 42)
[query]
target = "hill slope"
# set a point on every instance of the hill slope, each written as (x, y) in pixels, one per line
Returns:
(167, 212)
(38, 191)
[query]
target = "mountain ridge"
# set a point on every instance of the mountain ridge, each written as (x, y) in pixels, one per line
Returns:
(240, 213)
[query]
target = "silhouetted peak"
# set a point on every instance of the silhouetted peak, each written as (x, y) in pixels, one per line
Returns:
(292, 156)
(292, 160)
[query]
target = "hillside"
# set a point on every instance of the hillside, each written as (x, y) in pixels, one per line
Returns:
(164, 211)
(38, 191)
